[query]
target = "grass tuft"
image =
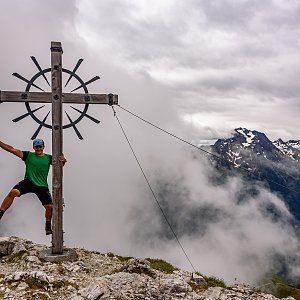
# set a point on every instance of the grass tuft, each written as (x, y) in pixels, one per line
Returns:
(119, 257)
(35, 283)
(211, 281)
(14, 257)
(161, 265)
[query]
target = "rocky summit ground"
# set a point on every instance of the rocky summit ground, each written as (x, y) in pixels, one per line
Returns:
(24, 274)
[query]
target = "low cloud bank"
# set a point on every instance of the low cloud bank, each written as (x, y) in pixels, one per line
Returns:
(226, 230)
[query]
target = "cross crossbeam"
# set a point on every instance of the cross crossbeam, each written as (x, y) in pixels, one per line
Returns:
(68, 98)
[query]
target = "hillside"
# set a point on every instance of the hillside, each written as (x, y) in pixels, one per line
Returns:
(95, 276)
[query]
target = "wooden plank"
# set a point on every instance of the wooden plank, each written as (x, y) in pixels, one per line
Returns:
(90, 98)
(13, 96)
(57, 147)
(44, 97)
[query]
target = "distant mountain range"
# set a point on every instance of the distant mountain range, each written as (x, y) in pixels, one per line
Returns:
(277, 163)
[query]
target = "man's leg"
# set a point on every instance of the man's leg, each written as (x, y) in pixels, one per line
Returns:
(48, 211)
(8, 200)
(48, 216)
(45, 197)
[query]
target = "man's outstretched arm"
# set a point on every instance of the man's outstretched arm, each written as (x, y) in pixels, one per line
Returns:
(11, 149)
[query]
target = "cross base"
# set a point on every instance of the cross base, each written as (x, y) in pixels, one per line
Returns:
(67, 255)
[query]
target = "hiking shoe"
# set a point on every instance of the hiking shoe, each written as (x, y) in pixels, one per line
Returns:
(1, 213)
(48, 228)
(48, 231)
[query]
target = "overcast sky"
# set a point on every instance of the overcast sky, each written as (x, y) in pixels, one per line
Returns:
(197, 68)
(221, 64)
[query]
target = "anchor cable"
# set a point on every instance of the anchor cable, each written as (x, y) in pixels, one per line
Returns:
(207, 152)
(152, 191)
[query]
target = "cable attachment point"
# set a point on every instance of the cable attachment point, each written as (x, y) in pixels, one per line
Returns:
(110, 99)
(114, 110)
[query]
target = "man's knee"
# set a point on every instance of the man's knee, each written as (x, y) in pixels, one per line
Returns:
(48, 206)
(14, 193)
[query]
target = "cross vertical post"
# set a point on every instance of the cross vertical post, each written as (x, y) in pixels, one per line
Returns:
(57, 147)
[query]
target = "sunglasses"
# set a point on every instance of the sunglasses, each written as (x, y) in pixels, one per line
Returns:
(36, 147)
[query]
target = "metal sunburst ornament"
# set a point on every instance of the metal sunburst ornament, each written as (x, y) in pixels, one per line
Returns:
(32, 83)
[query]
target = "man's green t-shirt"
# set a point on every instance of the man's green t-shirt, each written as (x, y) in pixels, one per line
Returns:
(37, 167)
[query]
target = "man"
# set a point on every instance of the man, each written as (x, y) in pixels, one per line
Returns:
(35, 180)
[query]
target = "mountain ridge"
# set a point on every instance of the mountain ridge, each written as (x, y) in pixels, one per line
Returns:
(275, 164)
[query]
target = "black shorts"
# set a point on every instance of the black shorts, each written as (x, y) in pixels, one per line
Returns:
(26, 186)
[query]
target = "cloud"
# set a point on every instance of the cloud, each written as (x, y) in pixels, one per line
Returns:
(222, 51)
(223, 235)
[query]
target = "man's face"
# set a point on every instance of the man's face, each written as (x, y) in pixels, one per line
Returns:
(39, 150)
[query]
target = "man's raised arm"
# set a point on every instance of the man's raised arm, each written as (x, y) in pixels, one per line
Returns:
(11, 149)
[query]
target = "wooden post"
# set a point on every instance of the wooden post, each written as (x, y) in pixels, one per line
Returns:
(57, 147)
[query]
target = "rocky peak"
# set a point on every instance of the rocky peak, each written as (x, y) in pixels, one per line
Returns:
(247, 148)
(96, 276)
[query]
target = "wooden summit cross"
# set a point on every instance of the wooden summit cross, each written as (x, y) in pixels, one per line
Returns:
(57, 98)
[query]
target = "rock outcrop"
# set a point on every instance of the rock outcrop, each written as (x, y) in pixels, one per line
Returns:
(94, 276)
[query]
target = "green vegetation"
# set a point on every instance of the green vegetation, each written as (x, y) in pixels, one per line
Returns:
(35, 283)
(41, 297)
(147, 272)
(119, 257)
(61, 283)
(278, 287)
(110, 254)
(161, 265)
(214, 281)
(211, 281)
(14, 257)
(124, 258)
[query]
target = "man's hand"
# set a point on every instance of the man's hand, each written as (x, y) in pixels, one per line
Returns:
(62, 159)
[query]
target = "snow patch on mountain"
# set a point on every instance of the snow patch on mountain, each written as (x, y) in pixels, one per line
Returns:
(290, 148)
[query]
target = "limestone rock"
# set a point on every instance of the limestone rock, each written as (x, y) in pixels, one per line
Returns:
(92, 292)
(6, 246)
(198, 279)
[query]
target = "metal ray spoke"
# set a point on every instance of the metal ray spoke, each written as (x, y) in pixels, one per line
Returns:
(27, 114)
(74, 70)
(26, 80)
(39, 68)
(86, 83)
(40, 127)
(74, 127)
(86, 115)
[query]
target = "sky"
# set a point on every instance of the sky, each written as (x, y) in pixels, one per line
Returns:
(196, 68)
